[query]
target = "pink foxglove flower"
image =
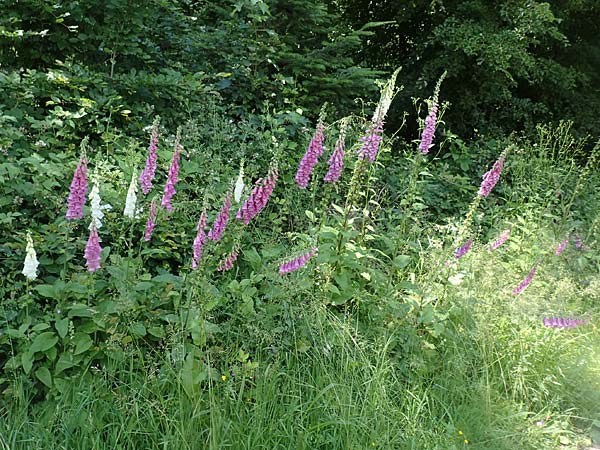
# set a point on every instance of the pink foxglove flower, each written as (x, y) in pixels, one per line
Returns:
(78, 191)
(297, 263)
(463, 250)
(561, 247)
(199, 240)
(560, 322)
(31, 263)
(169, 190)
(336, 161)
(151, 220)
(431, 120)
(491, 177)
(259, 197)
(501, 239)
(311, 157)
(93, 251)
(371, 142)
(218, 228)
(523, 285)
(147, 174)
(227, 263)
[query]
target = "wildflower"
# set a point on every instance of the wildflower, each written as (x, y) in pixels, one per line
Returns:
(559, 322)
(463, 250)
(561, 247)
(501, 239)
(78, 191)
(199, 240)
(147, 174)
(95, 207)
(491, 177)
(521, 287)
(579, 243)
(223, 377)
(372, 138)
(336, 161)
(227, 263)
(151, 220)
(131, 199)
(93, 250)
(31, 263)
(221, 221)
(297, 263)
(431, 120)
(169, 190)
(310, 158)
(239, 184)
(259, 197)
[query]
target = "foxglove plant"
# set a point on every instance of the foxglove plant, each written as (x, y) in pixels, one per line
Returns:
(78, 191)
(227, 263)
(336, 161)
(93, 251)
(31, 262)
(463, 250)
(297, 263)
(149, 171)
(131, 199)
(259, 197)
(431, 119)
(169, 190)
(238, 190)
(523, 285)
(95, 206)
(560, 322)
(491, 177)
(199, 240)
(561, 247)
(501, 239)
(311, 157)
(151, 223)
(216, 233)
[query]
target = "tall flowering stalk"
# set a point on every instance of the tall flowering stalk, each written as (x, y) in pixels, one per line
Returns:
(297, 263)
(560, 322)
(431, 119)
(96, 207)
(149, 171)
(93, 251)
(501, 239)
(523, 285)
(78, 190)
(131, 199)
(151, 223)
(218, 228)
(374, 134)
(463, 250)
(227, 263)
(31, 262)
(238, 189)
(561, 247)
(199, 240)
(336, 161)
(311, 157)
(169, 190)
(259, 197)
(491, 177)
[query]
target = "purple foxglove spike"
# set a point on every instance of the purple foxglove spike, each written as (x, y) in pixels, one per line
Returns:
(297, 263)
(259, 197)
(227, 263)
(491, 177)
(199, 240)
(169, 190)
(371, 142)
(149, 171)
(93, 251)
(523, 285)
(462, 251)
(501, 239)
(310, 158)
(78, 191)
(151, 220)
(336, 162)
(429, 130)
(561, 247)
(218, 228)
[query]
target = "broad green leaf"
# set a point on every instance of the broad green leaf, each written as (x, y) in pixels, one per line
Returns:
(27, 361)
(43, 374)
(43, 342)
(62, 327)
(82, 343)
(138, 329)
(65, 361)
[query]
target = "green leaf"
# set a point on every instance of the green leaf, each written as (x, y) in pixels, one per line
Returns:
(401, 261)
(43, 374)
(82, 343)
(46, 290)
(138, 329)
(65, 361)
(158, 332)
(27, 361)
(43, 342)
(62, 327)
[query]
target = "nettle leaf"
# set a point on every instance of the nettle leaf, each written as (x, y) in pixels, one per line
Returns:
(43, 374)
(43, 342)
